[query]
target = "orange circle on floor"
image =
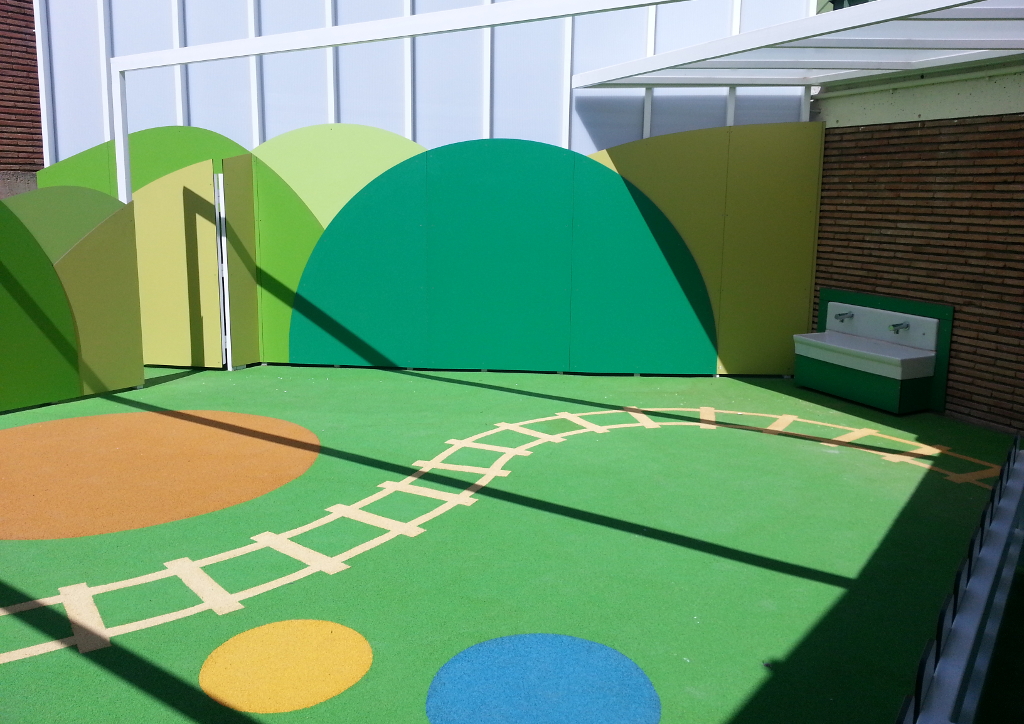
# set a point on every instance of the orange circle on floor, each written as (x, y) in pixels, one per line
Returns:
(101, 474)
(285, 666)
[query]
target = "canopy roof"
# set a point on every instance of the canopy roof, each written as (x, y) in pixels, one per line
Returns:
(876, 38)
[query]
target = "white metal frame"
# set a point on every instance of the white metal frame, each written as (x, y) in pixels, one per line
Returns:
(42, 21)
(831, 47)
(408, 26)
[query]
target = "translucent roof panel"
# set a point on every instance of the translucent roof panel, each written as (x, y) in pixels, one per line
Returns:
(872, 39)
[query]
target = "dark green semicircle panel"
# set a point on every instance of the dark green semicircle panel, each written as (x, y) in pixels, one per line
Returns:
(503, 254)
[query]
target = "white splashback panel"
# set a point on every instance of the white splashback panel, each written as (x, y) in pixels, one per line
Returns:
(922, 333)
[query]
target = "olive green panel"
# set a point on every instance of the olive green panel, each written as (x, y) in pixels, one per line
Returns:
(155, 152)
(941, 312)
(243, 290)
(179, 287)
(684, 174)
(60, 216)
(39, 350)
(328, 164)
(639, 303)
(286, 232)
(498, 268)
(771, 226)
(363, 296)
(100, 277)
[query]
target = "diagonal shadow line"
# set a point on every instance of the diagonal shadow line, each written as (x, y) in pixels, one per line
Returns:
(309, 310)
(41, 319)
(173, 377)
(182, 696)
(681, 418)
(683, 541)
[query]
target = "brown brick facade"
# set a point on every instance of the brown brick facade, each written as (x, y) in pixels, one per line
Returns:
(934, 211)
(21, 143)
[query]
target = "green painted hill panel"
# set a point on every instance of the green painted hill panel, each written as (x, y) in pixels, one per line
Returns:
(466, 257)
(499, 235)
(101, 278)
(363, 296)
(60, 216)
(155, 153)
(286, 232)
(328, 164)
(39, 354)
(685, 175)
(639, 303)
(243, 274)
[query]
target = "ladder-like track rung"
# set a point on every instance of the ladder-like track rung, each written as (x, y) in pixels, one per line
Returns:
(428, 493)
(312, 558)
(378, 521)
(87, 627)
(201, 584)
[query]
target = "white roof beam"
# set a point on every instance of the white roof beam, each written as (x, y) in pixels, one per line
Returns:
(447, 21)
(865, 15)
(909, 43)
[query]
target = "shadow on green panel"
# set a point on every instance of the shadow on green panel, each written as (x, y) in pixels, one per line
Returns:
(504, 254)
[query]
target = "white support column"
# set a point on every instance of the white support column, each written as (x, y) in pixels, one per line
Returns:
(487, 129)
(122, 160)
(409, 86)
(331, 58)
(735, 18)
(255, 74)
(179, 40)
(42, 19)
(106, 51)
(567, 48)
(652, 35)
(222, 271)
(805, 104)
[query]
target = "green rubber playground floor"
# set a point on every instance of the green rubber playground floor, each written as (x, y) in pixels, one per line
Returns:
(753, 577)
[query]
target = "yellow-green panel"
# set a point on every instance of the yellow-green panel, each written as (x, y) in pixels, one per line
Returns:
(684, 174)
(286, 232)
(178, 282)
(240, 214)
(327, 165)
(771, 224)
(100, 278)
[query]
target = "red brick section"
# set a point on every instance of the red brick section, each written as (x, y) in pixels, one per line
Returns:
(21, 143)
(934, 211)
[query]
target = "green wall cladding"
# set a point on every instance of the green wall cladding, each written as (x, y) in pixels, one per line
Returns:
(68, 252)
(154, 152)
(503, 254)
(39, 354)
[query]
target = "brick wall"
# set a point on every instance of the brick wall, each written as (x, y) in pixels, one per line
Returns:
(934, 211)
(21, 143)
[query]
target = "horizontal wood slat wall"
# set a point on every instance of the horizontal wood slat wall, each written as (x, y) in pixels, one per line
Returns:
(21, 141)
(934, 211)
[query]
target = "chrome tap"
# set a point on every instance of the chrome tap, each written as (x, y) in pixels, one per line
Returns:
(843, 316)
(895, 328)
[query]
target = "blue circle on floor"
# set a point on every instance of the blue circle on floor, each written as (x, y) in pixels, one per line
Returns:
(541, 679)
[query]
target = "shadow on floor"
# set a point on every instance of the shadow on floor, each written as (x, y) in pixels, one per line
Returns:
(1002, 701)
(859, 662)
(184, 697)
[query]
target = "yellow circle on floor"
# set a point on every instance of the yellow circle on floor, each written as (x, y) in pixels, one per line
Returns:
(285, 666)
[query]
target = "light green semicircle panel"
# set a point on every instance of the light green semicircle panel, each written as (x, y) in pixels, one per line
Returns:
(155, 152)
(60, 216)
(326, 165)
